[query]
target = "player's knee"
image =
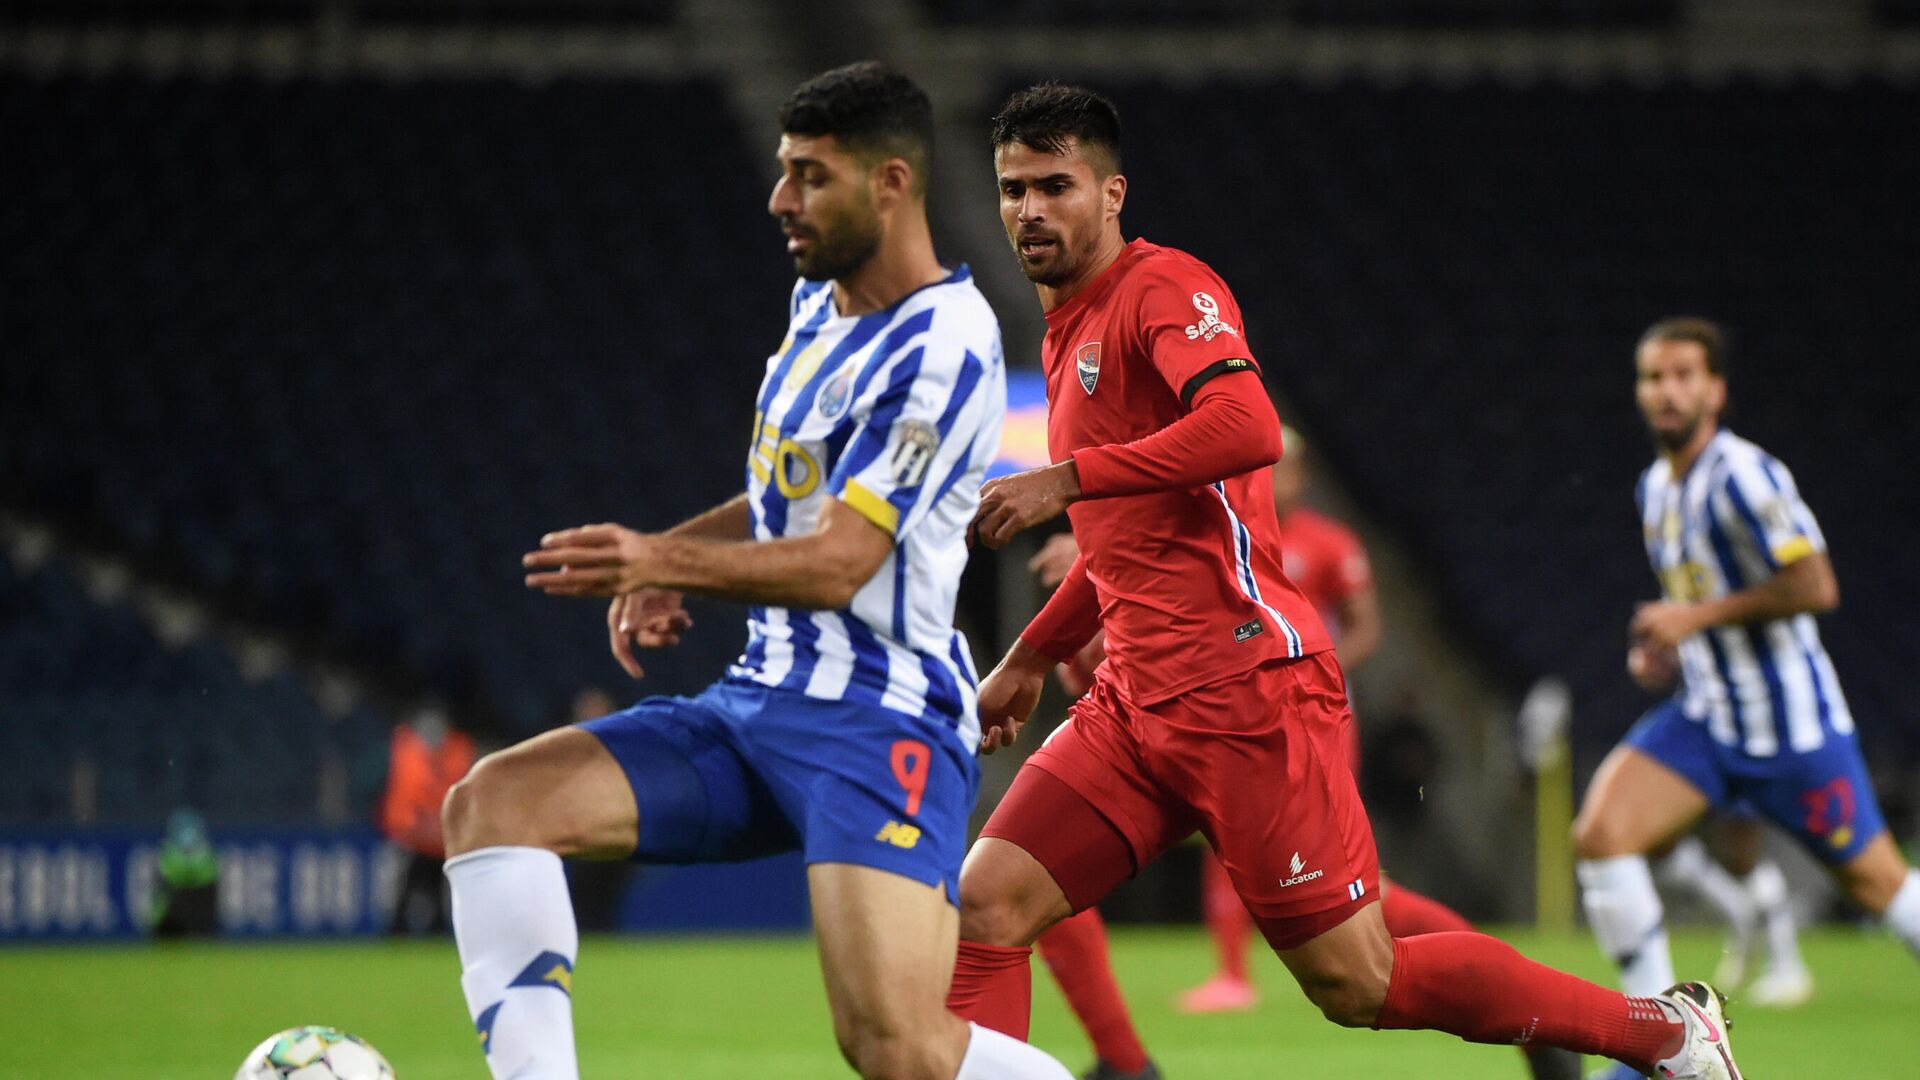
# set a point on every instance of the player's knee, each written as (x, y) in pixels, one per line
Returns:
(994, 915)
(1595, 836)
(998, 906)
(477, 811)
(1349, 986)
(1872, 879)
(879, 1052)
(1348, 997)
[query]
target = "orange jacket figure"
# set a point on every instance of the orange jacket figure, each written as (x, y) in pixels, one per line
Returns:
(418, 777)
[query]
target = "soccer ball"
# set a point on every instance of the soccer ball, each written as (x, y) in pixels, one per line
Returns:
(314, 1053)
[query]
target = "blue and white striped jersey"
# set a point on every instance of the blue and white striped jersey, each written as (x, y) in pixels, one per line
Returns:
(897, 414)
(1732, 522)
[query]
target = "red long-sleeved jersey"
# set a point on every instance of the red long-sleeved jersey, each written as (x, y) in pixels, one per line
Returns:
(1152, 391)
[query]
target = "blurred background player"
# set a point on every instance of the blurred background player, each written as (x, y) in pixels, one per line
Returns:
(1220, 708)
(1750, 893)
(847, 729)
(1326, 559)
(1759, 717)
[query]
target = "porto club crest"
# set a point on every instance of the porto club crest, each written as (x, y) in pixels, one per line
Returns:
(1087, 362)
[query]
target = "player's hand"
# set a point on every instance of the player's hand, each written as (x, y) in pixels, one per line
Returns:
(1664, 625)
(592, 560)
(647, 619)
(1008, 695)
(1654, 669)
(1021, 501)
(1055, 559)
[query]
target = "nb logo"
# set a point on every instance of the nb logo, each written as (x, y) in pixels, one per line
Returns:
(900, 836)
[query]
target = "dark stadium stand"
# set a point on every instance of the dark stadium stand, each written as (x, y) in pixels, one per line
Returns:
(1902, 13)
(162, 728)
(1461, 14)
(1448, 285)
(334, 354)
(338, 354)
(1452, 14)
(261, 12)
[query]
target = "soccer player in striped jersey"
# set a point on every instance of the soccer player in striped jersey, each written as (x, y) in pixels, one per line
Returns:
(1220, 707)
(1759, 718)
(847, 730)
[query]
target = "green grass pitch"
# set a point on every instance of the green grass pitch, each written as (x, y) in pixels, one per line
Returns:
(697, 1008)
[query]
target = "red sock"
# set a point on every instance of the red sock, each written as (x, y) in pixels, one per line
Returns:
(1076, 952)
(1409, 913)
(992, 987)
(1226, 916)
(1480, 989)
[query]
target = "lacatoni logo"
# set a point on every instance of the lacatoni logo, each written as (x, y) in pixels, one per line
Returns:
(1299, 878)
(1210, 323)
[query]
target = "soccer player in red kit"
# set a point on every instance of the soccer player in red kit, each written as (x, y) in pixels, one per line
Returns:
(1326, 560)
(1220, 708)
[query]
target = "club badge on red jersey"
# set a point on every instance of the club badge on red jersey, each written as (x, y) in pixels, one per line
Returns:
(1087, 362)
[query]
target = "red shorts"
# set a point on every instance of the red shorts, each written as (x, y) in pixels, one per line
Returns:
(1256, 762)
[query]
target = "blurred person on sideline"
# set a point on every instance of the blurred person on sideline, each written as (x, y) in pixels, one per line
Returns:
(426, 757)
(186, 899)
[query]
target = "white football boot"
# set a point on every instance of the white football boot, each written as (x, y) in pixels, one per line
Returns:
(1705, 1054)
(1781, 987)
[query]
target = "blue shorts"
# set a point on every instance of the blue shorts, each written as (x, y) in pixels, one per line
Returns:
(743, 771)
(1822, 796)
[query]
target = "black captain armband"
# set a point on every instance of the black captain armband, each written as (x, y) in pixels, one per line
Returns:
(1212, 372)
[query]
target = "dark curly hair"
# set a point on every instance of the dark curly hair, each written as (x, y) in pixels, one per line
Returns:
(873, 111)
(1046, 116)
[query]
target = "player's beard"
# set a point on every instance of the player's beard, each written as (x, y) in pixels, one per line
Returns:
(1068, 254)
(1675, 439)
(841, 245)
(1057, 271)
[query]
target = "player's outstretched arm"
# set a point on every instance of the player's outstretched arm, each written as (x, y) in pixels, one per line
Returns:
(1232, 429)
(731, 520)
(1805, 586)
(822, 570)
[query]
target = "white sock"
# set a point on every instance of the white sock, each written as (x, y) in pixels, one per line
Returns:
(1689, 865)
(514, 923)
(1627, 919)
(994, 1056)
(1768, 888)
(1903, 915)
